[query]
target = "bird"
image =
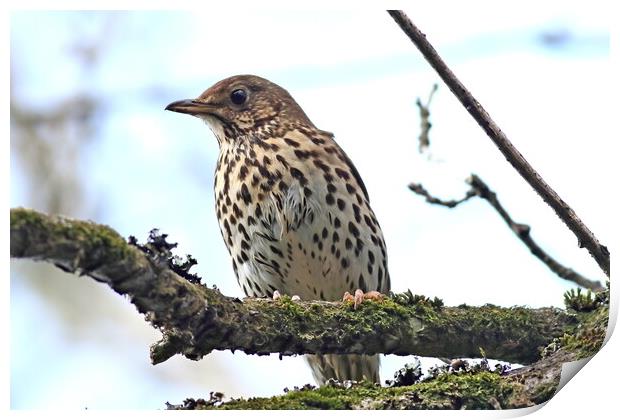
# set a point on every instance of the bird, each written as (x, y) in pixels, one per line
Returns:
(292, 208)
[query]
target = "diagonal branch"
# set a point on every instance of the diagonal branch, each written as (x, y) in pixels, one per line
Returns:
(480, 189)
(523, 232)
(195, 319)
(584, 236)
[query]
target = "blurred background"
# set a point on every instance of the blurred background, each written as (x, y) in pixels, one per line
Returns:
(90, 139)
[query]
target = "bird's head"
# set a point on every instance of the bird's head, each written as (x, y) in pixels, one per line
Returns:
(244, 106)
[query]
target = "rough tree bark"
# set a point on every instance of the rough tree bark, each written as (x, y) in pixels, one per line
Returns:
(195, 319)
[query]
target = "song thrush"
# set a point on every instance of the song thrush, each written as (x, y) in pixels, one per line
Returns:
(292, 207)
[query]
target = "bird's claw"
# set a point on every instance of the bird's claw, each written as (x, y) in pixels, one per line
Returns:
(360, 296)
(277, 295)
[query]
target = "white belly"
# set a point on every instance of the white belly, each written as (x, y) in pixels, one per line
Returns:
(310, 260)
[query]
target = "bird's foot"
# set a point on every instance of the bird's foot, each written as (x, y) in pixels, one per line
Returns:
(277, 295)
(360, 296)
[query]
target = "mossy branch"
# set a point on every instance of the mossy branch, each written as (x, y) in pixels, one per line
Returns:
(483, 390)
(195, 319)
(457, 388)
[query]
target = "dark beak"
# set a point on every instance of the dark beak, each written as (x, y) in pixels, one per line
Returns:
(190, 106)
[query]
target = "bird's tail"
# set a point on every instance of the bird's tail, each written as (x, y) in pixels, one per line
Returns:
(344, 366)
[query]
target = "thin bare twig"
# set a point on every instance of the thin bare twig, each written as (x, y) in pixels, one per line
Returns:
(420, 190)
(585, 237)
(425, 124)
(480, 189)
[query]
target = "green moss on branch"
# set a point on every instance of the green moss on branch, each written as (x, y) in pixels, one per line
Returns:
(484, 390)
(196, 320)
(519, 388)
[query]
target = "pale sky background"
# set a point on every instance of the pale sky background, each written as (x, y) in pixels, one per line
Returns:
(355, 74)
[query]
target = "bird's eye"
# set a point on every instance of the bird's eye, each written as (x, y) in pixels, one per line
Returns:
(238, 96)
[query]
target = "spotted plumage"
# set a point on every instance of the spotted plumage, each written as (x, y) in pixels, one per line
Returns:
(292, 208)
